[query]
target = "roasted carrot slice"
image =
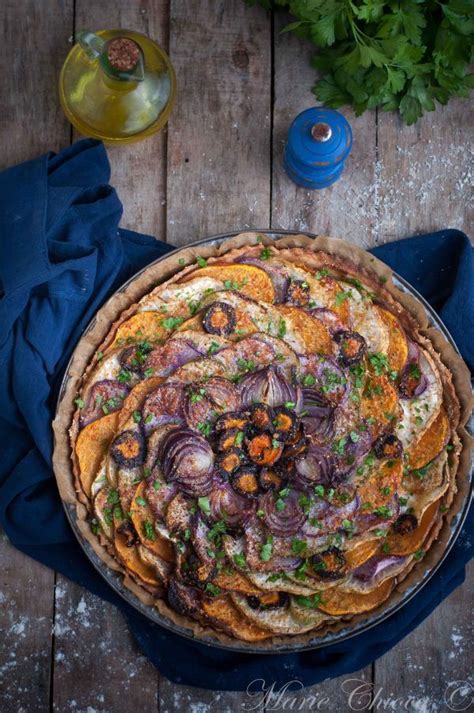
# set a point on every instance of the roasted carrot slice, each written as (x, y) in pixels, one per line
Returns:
(412, 541)
(91, 446)
(338, 603)
(397, 345)
(249, 280)
(142, 518)
(431, 443)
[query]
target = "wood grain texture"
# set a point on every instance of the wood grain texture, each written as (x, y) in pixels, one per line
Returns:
(26, 616)
(97, 665)
(34, 42)
(424, 178)
(218, 167)
(346, 209)
(138, 170)
(428, 662)
(219, 133)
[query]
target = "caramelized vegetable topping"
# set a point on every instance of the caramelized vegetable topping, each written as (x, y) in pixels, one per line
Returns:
(270, 480)
(230, 460)
(298, 293)
(388, 447)
(261, 417)
(128, 449)
(270, 600)
(231, 420)
(330, 564)
(285, 423)
(352, 347)
(219, 319)
(263, 449)
(245, 481)
(405, 523)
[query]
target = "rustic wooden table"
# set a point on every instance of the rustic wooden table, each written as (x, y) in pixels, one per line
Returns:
(218, 167)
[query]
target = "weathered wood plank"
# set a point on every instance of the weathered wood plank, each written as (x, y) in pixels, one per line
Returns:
(138, 170)
(424, 173)
(34, 42)
(425, 665)
(174, 699)
(346, 209)
(26, 615)
(219, 132)
(97, 665)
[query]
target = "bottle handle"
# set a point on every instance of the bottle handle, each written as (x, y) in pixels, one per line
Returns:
(92, 44)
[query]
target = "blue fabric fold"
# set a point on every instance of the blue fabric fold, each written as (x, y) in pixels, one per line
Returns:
(61, 255)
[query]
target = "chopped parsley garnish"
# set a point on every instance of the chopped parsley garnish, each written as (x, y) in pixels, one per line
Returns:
(280, 505)
(156, 485)
(310, 602)
(308, 380)
(319, 490)
(137, 417)
(342, 296)
(281, 328)
(265, 253)
(149, 530)
(213, 589)
(419, 554)
(305, 503)
(79, 403)
(113, 497)
(203, 503)
(322, 273)
(124, 377)
(240, 560)
(204, 428)
(213, 348)
(298, 546)
(172, 322)
(201, 261)
(140, 501)
(267, 550)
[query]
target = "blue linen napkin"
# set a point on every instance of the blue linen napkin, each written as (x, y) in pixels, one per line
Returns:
(61, 255)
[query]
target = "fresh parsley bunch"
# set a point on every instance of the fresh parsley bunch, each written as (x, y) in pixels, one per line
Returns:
(403, 55)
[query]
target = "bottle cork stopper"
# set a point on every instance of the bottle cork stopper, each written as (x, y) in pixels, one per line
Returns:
(321, 132)
(123, 54)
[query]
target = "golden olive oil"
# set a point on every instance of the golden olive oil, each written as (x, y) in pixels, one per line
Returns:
(105, 97)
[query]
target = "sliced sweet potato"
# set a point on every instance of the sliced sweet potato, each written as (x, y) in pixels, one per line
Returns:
(142, 518)
(235, 582)
(431, 443)
(132, 560)
(338, 603)
(411, 542)
(361, 553)
(103, 513)
(381, 484)
(136, 397)
(314, 333)
(142, 326)
(249, 280)
(222, 613)
(91, 446)
(379, 403)
(397, 344)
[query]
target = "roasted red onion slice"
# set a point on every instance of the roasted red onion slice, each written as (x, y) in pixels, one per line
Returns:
(268, 386)
(166, 358)
(284, 516)
(279, 279)
(372, 570)
(319, 415)
(366, 519)
(412, 381)
(229, 506)
(105, 397)
(317, 467)
(327, 317)
(329, 377)
(187, 459)
(205, 402)
(163, 405)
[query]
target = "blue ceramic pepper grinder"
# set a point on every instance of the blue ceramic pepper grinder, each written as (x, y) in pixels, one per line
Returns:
(319, 141)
